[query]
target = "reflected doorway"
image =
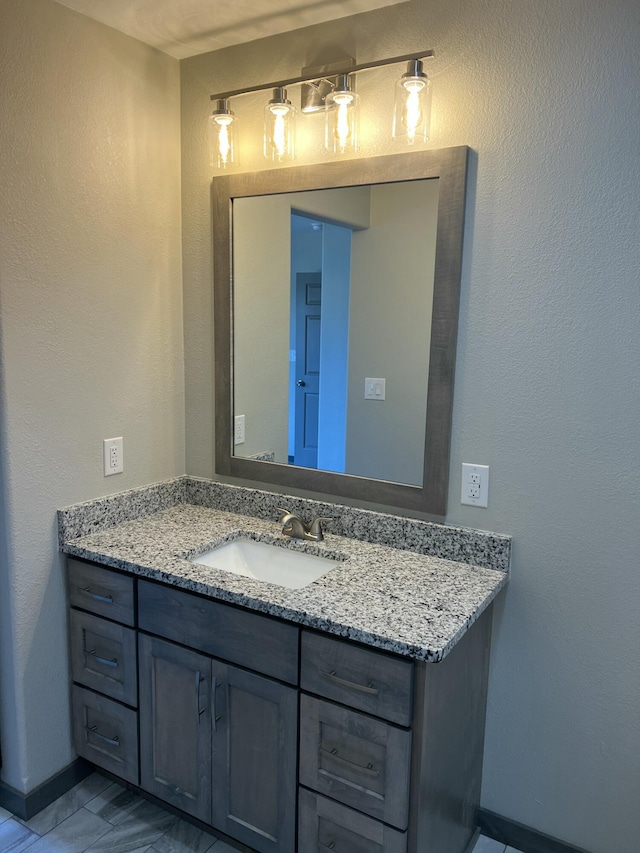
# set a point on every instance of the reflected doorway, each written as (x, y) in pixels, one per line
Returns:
(319, 342)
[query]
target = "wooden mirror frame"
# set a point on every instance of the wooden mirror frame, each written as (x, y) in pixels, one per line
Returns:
(449, 165)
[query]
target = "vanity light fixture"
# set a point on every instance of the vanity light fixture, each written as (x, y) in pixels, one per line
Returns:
(221, 141)
(342, 117)
(329, 88)
(412, 114)
(279, 127)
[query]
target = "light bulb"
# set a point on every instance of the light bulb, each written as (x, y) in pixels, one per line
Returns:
(224, 141)
(342, 126)
(412, 115)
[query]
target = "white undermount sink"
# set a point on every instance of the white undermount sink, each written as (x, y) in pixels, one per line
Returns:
(266, 562)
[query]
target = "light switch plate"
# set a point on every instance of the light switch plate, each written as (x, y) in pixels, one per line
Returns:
(375, 389)
(475, 485)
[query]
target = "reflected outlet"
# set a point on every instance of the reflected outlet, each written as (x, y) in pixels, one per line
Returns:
(238, 429)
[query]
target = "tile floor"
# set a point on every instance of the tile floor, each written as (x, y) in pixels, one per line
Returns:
(488, 845)
(100, 816)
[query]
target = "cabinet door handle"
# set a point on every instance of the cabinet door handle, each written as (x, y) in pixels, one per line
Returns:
(199, 679)
(104, 661)
(215, 718)
(364, 688)
(112, 741)
(105, 599)
(330, 846)
(361, 768)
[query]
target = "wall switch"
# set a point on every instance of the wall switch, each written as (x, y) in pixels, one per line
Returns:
(238, 429)
(374, 389)
(113, 456)
(475, 485)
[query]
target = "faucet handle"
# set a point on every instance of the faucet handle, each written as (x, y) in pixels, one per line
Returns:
(285, 513)
(316, 527)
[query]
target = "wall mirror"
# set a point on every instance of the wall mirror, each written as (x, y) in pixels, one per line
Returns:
(336, 299)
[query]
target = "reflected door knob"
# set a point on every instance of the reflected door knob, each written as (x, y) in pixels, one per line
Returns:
(301, 383)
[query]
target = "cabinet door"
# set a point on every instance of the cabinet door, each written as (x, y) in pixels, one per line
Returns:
(254, 759)
(175, 725)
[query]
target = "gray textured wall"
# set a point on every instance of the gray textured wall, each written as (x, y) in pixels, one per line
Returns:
(90, 330)
(547, 95)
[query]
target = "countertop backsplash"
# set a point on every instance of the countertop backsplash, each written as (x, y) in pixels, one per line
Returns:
(465, 545)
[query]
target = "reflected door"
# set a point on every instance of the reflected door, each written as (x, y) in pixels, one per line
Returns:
(307, 375)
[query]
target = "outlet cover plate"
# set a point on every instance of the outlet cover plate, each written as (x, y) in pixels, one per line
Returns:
(113, 456)
(475, 485)
(238, 429)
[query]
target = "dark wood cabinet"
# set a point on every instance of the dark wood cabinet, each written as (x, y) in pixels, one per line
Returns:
(285, 739)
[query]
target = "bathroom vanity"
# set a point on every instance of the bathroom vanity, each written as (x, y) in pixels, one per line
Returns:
(347, 715)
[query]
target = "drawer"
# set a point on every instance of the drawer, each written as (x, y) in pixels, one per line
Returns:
(101, 591)
(105, 733)
(365, 679)
(325, 825)
(256, 642)
(103, 656)
(355, 759)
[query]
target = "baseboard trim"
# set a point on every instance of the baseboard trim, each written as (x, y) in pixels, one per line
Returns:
(520, 836)
(25, 806)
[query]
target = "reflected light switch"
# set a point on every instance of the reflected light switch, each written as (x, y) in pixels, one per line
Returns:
(374, 389)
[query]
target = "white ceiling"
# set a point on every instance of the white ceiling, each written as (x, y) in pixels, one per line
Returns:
(184, 28)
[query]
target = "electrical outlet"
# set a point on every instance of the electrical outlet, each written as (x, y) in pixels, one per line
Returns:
(238, 429)
(113, 456)
(475, 485)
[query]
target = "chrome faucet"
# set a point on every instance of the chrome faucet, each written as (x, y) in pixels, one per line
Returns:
(294, 526)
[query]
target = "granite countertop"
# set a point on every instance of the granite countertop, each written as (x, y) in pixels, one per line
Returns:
(409, 603)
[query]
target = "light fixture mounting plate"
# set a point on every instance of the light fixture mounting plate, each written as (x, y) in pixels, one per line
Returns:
(313, 92)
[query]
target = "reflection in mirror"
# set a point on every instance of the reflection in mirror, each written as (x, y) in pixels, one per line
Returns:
(328, 274)
(333, 289)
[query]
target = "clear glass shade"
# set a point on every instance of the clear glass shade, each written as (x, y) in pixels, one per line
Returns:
(279, 128)
(342, 118)
(412, 114)
(221, 136)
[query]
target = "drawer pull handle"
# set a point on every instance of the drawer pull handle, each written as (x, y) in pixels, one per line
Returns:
(329, 846)
(368, 769)
(112, 741)
(104, 661)
(105, 599)
(364, 688)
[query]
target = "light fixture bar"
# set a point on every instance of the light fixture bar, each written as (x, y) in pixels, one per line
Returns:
(308, 78)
